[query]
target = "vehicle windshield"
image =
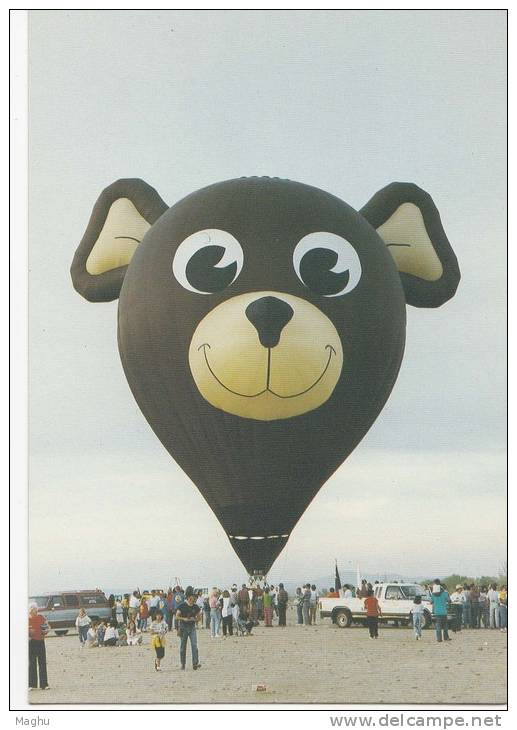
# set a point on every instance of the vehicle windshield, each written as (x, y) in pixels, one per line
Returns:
(412, 591)
(96, 600)
(40, 601)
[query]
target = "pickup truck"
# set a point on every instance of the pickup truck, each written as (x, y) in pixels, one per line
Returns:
(395, 601)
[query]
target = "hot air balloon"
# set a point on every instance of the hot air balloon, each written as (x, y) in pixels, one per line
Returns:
(261, 327)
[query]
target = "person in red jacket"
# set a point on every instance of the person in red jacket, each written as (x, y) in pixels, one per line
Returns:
(373, 611)
(38, 629)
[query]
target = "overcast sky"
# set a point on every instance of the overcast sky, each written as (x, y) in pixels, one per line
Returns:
(344, 100)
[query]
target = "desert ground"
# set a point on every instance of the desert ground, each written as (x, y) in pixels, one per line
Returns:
(297, 664)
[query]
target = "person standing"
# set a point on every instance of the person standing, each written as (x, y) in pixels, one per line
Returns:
(206, 611)
(119, 611)
(458, 602)
(268, 607)
(82, 624)
(179, 597)
(298, 599)
(417, 613)
(307, 604)
(153, 604)
(134, 605)
(158, 632)
(215, 613)
(283, 600)
(125, 608)
(143, 614)
(347, 592)
(169, 599)
(493, 600)
(313, 604)
(440, 599)
(187, 615)
(373, 611)
(38, 629)
(484, 609)
(225, 603)
(503, 608)
(274, 600)
(243, 600)
(474, 606)
(467, 607)
(113, 608)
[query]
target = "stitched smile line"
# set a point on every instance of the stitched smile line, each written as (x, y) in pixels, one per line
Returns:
(267, 389)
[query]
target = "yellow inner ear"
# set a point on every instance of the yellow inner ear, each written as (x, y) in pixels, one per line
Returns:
(121, 233)
(406, 236)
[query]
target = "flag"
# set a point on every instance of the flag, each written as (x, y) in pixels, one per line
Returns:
(337, 580)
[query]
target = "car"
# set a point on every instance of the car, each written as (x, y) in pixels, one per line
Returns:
(61, 608)
(395, 601)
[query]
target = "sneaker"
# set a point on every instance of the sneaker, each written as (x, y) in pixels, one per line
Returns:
(196, 666)
(47, 687)
(183, 666)
(31, 689)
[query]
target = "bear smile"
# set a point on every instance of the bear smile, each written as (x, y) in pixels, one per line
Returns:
(267, 389)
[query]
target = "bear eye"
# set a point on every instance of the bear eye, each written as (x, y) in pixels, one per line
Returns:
(327, 264)
(208, 261)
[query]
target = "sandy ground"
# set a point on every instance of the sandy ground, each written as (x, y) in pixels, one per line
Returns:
(313, 664)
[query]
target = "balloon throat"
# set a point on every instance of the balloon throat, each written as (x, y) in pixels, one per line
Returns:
(267, 389)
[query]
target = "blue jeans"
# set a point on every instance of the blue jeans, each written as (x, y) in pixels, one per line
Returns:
(440, 624)
(215, 621)
(503, 616)
(417, 624)
(494, 615)
(83, 631)
(188, 631)
(467, 615)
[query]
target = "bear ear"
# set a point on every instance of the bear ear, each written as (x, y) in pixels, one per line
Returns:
(120, 219)
(408, 222)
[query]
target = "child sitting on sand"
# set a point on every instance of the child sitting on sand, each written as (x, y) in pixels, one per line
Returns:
(101, 629)
(91, 636)
(133, 635)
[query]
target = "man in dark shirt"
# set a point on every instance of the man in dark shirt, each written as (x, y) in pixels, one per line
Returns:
(187, 616)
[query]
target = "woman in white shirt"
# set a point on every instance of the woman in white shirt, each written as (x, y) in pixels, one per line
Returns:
(226, 612)
(133, 635)
(82, 623)
(111, 634)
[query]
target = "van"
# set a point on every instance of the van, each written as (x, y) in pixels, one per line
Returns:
(60, 609)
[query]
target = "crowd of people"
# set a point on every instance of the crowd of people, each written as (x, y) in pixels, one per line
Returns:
(233, 611)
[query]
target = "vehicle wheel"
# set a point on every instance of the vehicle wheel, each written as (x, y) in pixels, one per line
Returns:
(61, 632)
(343, 619)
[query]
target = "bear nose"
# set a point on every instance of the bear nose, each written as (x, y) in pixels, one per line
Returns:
(269, 316)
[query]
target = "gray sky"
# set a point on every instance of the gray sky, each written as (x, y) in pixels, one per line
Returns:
(346, 101)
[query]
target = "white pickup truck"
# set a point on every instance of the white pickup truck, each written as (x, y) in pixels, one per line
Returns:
(395, 601)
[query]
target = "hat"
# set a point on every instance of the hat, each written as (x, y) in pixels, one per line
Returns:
(459, 587)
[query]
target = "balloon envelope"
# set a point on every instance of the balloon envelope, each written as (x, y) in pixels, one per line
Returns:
(261, 387)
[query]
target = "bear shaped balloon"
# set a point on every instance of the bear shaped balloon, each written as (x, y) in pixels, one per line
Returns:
(261, 327)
